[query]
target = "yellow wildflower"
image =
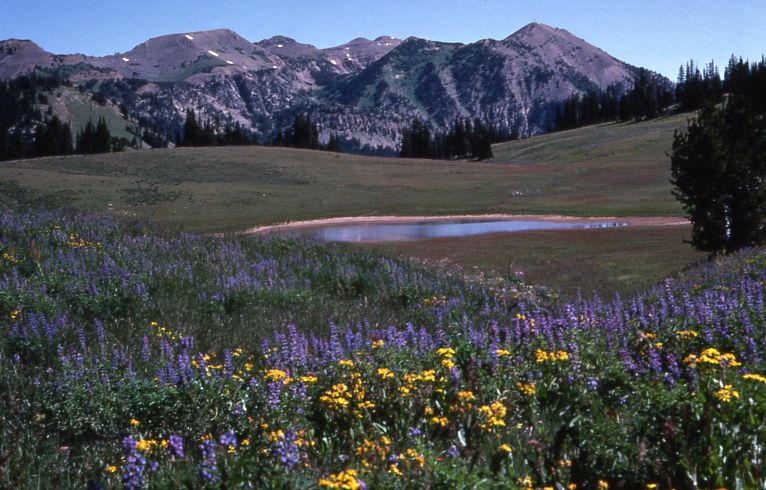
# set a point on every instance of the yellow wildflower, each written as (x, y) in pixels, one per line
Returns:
(466, 396)
(346, 363)
(145, 445)
(385, 373)
(276, 435)
(440, 421)
(308, 379)
(111, 469)
(603, 485)
(502, 352)
(377, 344)
(275, 375)
(726, 393)
(755, 377)
(528, 389)
(505, 448)
(446, 352)
(447, 363)
(134, 422)
(345, 480)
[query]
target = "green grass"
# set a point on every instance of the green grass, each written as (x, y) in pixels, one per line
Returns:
(607, 170)
(603, 170)
(606, 261)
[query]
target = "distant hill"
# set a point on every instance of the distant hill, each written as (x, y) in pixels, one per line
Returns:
(366, 91)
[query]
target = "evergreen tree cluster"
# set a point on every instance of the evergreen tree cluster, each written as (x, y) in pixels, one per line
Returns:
(94, 138)
(53, 138)
(747, 80)
(304, 133)
(212, 133)
(695, 89)
(648, 98)
(463, 140)
(24, 129)
(718, 164)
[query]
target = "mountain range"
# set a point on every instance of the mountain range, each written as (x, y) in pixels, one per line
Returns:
(365, 91)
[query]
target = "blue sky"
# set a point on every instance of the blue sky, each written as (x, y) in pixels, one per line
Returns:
(659, 35)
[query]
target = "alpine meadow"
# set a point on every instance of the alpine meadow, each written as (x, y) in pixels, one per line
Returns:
(392, 263)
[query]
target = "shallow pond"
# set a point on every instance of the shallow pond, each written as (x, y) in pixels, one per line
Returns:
(385, 232)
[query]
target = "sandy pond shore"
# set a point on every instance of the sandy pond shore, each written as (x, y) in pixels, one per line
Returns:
(364, 220)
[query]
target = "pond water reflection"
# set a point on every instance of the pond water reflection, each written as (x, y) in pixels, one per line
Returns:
(384, 232)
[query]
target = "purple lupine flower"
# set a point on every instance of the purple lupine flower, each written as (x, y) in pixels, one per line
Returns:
(275, 393)
(228, 363)
(145, 349)
(453, 451)
(175, 446)
(133, 469)
(208, 466)
(286, 451)
(228, 439)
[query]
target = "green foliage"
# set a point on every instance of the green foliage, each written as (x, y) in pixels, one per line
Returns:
(719, 174)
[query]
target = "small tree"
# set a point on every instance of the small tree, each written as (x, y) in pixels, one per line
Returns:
(718, 169)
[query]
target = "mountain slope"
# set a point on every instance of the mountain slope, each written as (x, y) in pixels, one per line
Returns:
(364, 90)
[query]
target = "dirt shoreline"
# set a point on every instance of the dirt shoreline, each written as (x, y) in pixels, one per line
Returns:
(365, 220)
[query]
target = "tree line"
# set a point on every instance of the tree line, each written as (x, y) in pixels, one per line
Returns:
(211, 132)
(649, 97)
(304, 133)
(463, 140)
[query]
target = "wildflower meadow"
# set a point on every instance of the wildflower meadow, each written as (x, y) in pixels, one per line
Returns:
(134, 358)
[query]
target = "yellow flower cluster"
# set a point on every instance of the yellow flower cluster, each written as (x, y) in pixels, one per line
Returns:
(411, 379)
(346, 363)
(755, 377)
(687, 334)
(145, 445)
(75, 241)
(726, 394)
(435, 300)
(336, 397)
(493, 415)
(446, 352)
(505, 448)
(275, 375)
(373, 453)
(466, 396)
(276, 435)
(440, 421)
(164, 332)
(14, 314)
(9, 258)
(345, 480)
(502, 352)
(528, 389)
(385, 373)
(713, 356)
(542, 356)
(377, 344)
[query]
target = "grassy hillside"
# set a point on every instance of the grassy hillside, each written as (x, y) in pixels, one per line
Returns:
(75, 108)
(606, 261)
(611, 170)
